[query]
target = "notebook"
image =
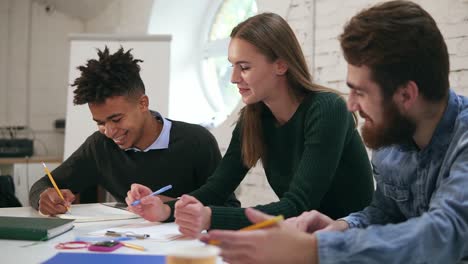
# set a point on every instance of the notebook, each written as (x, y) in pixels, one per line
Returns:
(32, 228)
(100, 258)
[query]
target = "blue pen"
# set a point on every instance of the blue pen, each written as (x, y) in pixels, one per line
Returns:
(163, 189)
(102, 238)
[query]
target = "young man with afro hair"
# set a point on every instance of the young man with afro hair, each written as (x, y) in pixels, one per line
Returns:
(133, 144)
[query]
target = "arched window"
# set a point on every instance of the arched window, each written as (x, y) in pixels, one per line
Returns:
(200, 90)
(221, 94)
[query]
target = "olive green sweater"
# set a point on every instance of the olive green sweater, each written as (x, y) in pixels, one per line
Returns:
(316, 160)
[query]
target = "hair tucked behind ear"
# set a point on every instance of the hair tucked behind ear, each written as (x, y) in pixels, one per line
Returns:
(274, 38)
(111, 75)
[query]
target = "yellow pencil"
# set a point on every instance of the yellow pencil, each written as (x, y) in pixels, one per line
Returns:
(137, 247)
(54, 184)
(266, 223)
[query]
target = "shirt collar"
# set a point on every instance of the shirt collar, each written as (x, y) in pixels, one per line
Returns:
(162, 142)
(444, 128)
(447, 123)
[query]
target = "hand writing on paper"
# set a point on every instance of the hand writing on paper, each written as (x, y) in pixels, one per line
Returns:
(314, 221)
(191, 216)
(50, 203)
(276, 244)
(151, 208)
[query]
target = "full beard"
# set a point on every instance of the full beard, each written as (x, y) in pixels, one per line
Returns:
(396, 129)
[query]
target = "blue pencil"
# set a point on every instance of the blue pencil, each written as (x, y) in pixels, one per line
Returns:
(163, 189)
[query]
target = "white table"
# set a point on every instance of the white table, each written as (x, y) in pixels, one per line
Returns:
(13, 251)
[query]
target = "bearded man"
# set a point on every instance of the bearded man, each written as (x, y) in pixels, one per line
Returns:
(398, 75)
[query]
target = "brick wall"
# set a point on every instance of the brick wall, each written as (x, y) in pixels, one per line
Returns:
(317, 25)
(330, 67)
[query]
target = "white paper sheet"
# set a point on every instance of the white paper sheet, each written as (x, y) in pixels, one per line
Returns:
(96, 212)
(156, 231)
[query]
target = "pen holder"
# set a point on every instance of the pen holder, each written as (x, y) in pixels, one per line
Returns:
(193, 255)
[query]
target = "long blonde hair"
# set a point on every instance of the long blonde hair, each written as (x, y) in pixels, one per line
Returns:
(274, 38)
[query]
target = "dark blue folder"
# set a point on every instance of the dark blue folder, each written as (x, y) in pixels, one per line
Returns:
(101, 258)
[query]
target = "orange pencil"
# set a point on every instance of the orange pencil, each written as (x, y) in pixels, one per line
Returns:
(54, 184)
(137, 247)
(266, 223)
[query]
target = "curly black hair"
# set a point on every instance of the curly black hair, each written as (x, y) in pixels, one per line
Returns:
(111, 75)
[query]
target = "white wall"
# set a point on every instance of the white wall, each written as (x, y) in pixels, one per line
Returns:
(122, 16)
(14, 50)
(4, 42)
(33, 72)
(330, 67)
(48, 77)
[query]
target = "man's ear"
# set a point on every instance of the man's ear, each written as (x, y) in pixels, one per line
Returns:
(406, 95)
(143, 102)
(281, 67)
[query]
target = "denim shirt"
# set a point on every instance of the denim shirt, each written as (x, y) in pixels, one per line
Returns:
(419, 212)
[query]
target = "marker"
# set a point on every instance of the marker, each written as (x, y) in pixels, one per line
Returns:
(163, 189)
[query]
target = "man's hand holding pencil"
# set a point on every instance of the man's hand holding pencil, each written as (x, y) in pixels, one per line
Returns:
(50, 203)
(54, 201)
(268, 240)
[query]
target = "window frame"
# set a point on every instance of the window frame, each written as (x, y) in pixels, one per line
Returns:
(209, 49)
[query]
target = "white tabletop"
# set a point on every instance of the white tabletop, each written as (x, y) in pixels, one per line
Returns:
(20, 251)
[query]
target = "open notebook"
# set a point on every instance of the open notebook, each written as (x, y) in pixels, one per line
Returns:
(96, 212)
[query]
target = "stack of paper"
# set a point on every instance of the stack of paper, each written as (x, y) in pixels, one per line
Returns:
(96, 212)
(156, 231)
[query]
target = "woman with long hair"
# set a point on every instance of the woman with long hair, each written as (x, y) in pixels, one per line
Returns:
(301, 132)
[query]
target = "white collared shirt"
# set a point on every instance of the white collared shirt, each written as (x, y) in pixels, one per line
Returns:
(162, 142)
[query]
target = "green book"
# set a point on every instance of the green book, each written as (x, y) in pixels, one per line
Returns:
(33, 228)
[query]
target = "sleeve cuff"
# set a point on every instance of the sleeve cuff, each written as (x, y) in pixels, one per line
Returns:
(353, 222)
(331, 247)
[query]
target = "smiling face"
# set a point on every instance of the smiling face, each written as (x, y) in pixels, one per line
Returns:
(253, 73)
(121, 119)
(365, 96)
(384, 124)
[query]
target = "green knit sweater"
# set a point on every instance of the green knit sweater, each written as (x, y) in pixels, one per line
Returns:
(314, 161)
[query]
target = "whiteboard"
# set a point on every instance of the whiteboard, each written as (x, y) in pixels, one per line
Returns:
(154, 50)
